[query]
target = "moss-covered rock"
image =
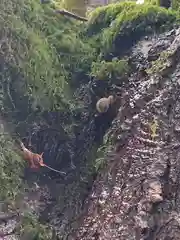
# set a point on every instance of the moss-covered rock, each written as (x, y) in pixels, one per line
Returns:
(44, 57)
(102, 17)
(118, 26)
(114, 72)
(41, 53)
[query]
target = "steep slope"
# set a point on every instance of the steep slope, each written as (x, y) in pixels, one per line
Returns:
(136, 196)
(42, 57)
(53, 71)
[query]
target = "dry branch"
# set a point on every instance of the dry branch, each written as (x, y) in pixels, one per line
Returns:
(72, 15)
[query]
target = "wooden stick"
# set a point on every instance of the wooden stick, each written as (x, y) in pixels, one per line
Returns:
(72, 15)
(63, 173)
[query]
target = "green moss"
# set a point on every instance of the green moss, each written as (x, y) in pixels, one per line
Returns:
(113, 71)
(100, 161)
(11, 166)
(42, 56)
(131, 26)
(43, 50)
(12, 191)
(121, 24)
(102, 17)
(152, 2)
(161, 64)
(176, 5)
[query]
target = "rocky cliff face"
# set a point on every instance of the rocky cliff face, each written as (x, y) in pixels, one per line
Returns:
(136, 195)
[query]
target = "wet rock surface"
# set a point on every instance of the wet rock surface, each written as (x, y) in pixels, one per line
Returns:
(137, 195)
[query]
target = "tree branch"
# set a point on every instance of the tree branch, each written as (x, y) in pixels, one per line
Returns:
(72, 15)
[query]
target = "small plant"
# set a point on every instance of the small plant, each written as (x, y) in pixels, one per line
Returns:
(153, 128)
(161, 63)
(101, 152)
(100, 160)
(113, 71)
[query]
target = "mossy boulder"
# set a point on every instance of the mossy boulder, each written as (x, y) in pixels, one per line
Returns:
(118, 26)
(41, 53)
(45, 56)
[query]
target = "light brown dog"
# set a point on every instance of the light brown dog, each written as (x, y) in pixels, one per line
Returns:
(35, 160)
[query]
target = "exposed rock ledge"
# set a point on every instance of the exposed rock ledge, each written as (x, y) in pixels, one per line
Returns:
(137, 195)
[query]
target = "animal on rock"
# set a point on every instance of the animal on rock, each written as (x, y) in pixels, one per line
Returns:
(103, 104)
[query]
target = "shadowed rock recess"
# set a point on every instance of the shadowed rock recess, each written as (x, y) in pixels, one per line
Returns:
(137, 194)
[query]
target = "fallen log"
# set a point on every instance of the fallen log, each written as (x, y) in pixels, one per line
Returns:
(72, 15)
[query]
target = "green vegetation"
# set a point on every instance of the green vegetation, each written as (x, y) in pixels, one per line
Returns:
(45, 57)
(76, 6)
(12, 189)
(30, 228)
(113, 71)
(106, 146)
(42, 59)
(163, 63)
(175, 4)
(119, 25)
(36, 51)
(102, 17)
(100, 160)
(152, 2)
(11, 166)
